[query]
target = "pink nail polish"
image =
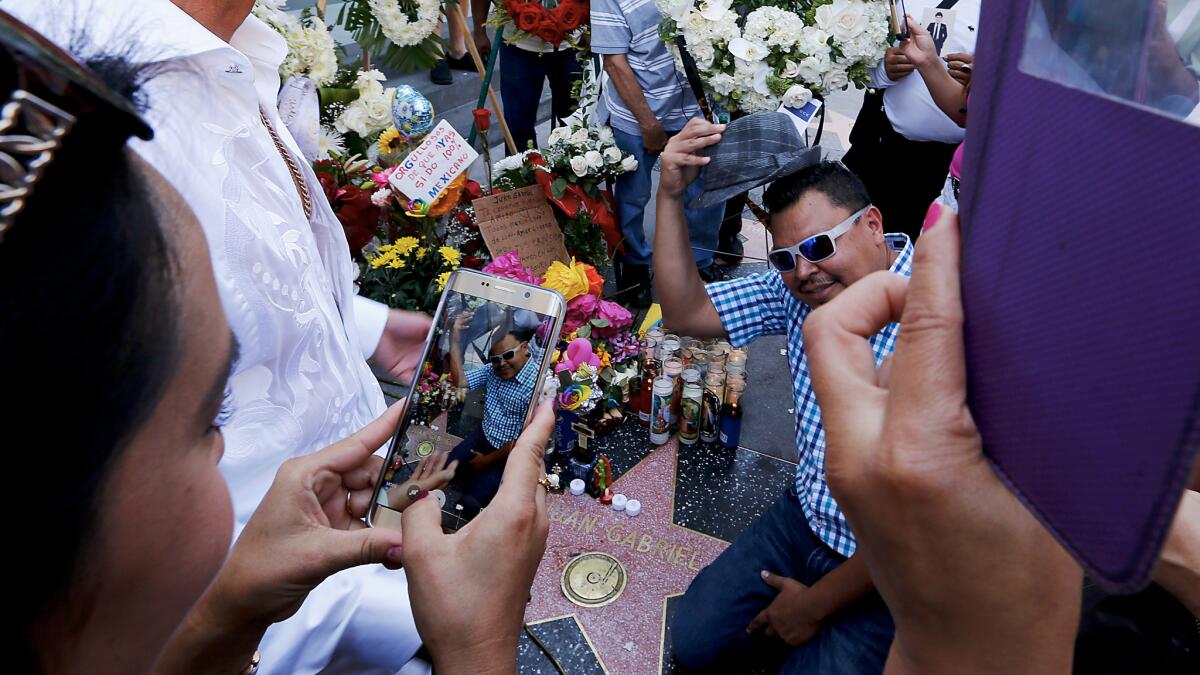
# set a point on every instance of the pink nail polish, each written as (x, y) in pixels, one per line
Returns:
(931, 216)
(394, 553)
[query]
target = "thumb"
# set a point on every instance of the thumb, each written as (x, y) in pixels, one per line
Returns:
(367, 546)
(422, 525)
(915, 27)
(774, 580)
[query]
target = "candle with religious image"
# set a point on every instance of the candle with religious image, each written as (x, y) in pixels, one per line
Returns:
(710, 409)
(672, 369)
(660, 410)
(689, 408)
(645, 393)
(731, 413)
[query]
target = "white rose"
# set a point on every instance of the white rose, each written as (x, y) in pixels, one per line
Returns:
(703, 53)
(380, 111)
(612, 154)
(746, 50)
(606, 135)
(849, 23)
(354, 119)
(558, 134)
(381, 197)
(579, 165)
(797, 96)
(790, 69)
(826, 14)
(835, 80)
(580, 136)
(676, 9)
(594, 159)
(811, 70)
(629, 164)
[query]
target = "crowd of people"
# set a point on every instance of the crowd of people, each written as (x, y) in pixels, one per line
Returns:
(208, 516)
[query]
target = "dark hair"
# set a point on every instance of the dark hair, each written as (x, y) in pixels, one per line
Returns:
(88, 342)
(832, 179)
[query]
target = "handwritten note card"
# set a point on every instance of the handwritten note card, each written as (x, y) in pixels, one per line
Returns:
(436, 162)
(521, 221)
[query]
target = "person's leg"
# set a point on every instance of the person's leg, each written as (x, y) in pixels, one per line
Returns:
(564, 70)
(704, 225)
(853, 641)
(521, 77)
(728, 241)
(631, 192)
(709, 627)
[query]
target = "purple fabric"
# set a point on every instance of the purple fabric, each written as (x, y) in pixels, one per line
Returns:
(1081, 281)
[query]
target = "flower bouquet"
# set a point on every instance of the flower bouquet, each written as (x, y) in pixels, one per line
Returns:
(754, 55)
(554, 21)
(407, 273)
(572, 170)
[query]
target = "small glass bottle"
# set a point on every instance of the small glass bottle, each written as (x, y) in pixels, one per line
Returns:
(660, 410)
(689, 408)
(731, 414)
(710, 411)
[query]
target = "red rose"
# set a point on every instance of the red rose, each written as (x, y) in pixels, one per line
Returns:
(473, 190)
(359, 217)
(483, 118)
(570, 15)
(472, 262)
(328, 185)
(527, 20)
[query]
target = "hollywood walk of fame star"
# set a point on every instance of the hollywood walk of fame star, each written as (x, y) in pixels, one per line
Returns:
(660, 559)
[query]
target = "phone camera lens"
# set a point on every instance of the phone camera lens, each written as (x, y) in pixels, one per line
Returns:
(526, 294)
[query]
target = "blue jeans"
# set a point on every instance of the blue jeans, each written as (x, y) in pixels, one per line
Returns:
(521, 76)
(709, 628)
(632, 193)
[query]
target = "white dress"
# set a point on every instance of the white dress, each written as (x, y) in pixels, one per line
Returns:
(301, 381)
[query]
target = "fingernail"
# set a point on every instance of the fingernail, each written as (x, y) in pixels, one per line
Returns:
(931, 216)
(394, 553)
(421, 495)
(765, 574)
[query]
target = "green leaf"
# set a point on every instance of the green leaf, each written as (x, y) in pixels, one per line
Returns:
(600, 323)
(585, 331)
(558, 187)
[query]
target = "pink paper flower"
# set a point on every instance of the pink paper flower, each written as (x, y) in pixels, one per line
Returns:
(509, 266)
(617, 316)
(381, 177)
(580, 310)
(578, 353)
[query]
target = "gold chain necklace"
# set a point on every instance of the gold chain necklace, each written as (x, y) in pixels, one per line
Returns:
(301, 184)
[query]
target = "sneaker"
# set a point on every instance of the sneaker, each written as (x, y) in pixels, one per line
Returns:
(731, 251)
(440, 74)
(711, 274)
(464, 62)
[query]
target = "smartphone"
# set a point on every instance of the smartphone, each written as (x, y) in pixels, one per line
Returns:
(483, 366)
(899, 20)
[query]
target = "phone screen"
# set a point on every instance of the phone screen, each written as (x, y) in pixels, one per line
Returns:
(482, 372)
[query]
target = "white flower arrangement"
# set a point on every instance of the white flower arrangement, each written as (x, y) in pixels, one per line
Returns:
(782, 52)
(394, 21)
(330, 144)
(311, 48)
(371, 112)
(586, 151)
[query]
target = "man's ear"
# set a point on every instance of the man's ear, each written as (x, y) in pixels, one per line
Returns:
(873, 219)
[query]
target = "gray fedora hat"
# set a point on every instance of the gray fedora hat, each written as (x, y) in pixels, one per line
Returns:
(754, 150)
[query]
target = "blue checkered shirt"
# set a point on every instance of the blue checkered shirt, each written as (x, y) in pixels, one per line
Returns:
(761, 304)
(507, 400)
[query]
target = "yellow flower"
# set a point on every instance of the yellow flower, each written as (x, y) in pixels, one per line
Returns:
(421, 252)
(396, 264)
(571, 280)
(390, 141)
(383, 255)
(442, 279)
(405, 245)
(451, 255)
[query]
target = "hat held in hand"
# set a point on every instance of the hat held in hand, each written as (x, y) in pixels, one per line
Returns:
(753, 151)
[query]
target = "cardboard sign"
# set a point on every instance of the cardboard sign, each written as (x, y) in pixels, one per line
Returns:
(437, 161)
(521, 221)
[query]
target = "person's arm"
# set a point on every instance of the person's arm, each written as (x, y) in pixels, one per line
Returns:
(1179, 565)
(455, 355)
(686, 306)
(654, 136)
(797, 613)
(948, 93)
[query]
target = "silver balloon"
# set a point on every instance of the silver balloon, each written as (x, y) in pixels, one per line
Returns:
(412, 113)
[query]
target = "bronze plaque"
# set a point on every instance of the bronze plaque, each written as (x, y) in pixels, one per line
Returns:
(593, 579)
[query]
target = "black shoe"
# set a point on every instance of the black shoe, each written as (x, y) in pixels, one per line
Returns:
(633, 284)
(440, 74)
(712, 273)
(464, 62)
(731, 251)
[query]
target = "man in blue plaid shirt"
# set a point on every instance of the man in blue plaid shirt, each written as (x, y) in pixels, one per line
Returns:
(509, 379)
(791, 584)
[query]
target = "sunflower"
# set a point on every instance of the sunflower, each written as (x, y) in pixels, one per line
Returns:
(390, 141)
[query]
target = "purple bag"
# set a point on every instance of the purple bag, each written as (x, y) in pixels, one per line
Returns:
(1081, 269)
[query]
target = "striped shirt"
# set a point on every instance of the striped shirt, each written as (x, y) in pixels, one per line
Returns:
(630, 27)
(761, 304)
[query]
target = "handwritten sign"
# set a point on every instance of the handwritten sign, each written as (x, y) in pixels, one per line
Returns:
(437, 161)
(521, 221)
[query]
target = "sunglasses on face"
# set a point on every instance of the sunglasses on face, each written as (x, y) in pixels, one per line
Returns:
(816, 248)
(503, 356)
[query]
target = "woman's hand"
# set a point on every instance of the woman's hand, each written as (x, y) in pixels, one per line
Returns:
(919, 48)
(468, 589)
(432, 473)
(308, 526)
(973, 581)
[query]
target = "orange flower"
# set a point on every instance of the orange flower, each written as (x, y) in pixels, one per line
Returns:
(595, 281)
